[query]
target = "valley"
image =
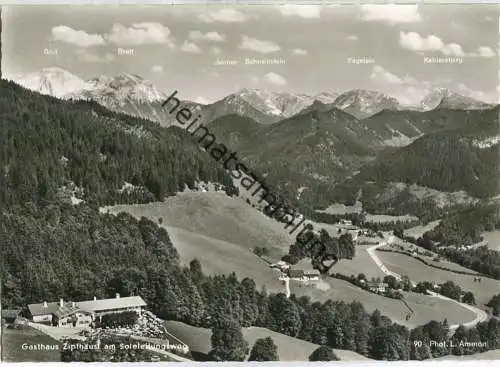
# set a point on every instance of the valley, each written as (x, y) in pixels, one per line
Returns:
(493, 239)
(221, 232)
(418, 272)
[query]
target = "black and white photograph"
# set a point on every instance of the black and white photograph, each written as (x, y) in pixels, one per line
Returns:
(229, 183)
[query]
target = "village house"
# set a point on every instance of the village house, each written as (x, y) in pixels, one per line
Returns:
(312, 274)
(281, 265)
(296, 273)
(345, 222)
(267, 259)
(377, 287)
(71, 314)
(304, 275)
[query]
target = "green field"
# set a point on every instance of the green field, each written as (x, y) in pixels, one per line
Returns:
(493, 239)
(12, 346)
(207, 226)
(419, 272)
(289, 349)
(418, 231)
(425, 308)
(429, 259)
(361, 263)
(221, 257)
(218, 216)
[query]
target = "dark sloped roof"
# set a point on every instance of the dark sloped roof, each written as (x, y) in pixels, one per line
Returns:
(111, 303)
(296, 273)
(67, 310)
(312, 272)
(37, 309)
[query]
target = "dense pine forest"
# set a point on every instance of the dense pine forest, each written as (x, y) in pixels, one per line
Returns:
(48, 143)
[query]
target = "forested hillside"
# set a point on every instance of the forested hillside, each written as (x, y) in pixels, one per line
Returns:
(47, 143)
(443, 161)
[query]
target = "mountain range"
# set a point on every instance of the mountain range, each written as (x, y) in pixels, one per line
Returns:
(316, 145)
(131, 94)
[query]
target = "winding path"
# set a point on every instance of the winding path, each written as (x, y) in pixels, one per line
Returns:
(480, 314)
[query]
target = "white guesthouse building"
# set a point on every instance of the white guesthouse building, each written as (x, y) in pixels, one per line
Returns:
(72, 314)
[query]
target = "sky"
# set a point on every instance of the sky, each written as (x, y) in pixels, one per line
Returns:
(320, 48)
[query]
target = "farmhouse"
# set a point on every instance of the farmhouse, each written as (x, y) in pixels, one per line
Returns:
(267, 259)
(70, 314)
(304, 275)
(296, 273)
(345, 222)
(281, 265)
(312, 274)
(377, 287)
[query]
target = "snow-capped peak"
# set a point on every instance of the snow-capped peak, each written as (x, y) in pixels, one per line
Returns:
(362, 103)
(53, 81)
(123, 87)
(326, 97)
(275, 103)
(445, 98)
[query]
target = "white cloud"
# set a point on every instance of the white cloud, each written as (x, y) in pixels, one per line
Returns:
(489, 97)
(216, 50)
(303, 11)
(412, 89)
(139, 34)
(352, 38)
(299, 51)
(413, 95)
(415, 42)
(190, 47)
(201, 100)
(276, 79)
(76, 37)
(157, 69)
(380, 75)
(483, 51)
(227, 15)
(408, 79)
(390, 13)
(209, 36)
(264, 47)
(254, 79)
